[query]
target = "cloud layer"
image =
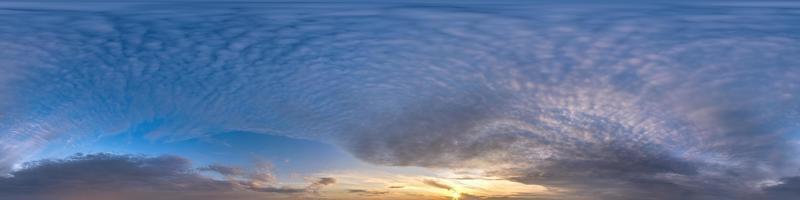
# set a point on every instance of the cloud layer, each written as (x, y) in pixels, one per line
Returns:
(659, 101)
(134, 177)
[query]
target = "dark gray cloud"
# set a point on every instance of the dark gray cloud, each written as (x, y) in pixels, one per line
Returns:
(437, 184)
(788, 188)
(223, 170)
(613, 102)
(318, 184)
(367, 192)
(106, 174)
(135, 177)
(287, 190)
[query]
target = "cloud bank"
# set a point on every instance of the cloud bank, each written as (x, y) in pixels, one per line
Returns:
(134, 177)
(617, 102)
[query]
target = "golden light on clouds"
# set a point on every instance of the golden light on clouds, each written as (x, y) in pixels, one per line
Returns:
(456, 195)
(417, 183)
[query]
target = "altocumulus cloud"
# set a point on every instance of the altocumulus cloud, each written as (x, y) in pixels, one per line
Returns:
(111, 176)
(610, 102)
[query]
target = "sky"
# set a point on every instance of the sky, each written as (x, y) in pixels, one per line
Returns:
(511, 100)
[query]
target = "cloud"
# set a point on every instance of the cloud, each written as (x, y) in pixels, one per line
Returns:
(262, 179)
(789, 188)
(223, 170)
(105, 174)
(318, 184)
(367, 192)
(132, 177)
(437, 184)
(449, 188)
(421, 183)
(287, 190)
(324, 181)
(616, 102)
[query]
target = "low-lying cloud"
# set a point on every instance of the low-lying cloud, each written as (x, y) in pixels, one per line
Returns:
(367, 192)
(787, 188)
(135, 177)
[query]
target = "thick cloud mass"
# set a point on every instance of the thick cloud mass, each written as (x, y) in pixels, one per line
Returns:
(112, 176)
(106, 175)
(788, 188)
(620, 101)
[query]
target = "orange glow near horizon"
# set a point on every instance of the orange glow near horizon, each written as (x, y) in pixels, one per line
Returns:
(409, 184)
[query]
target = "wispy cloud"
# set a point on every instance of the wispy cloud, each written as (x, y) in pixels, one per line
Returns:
(367, 192)
(436, 184)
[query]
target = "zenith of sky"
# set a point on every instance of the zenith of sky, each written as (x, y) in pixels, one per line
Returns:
(575, 100)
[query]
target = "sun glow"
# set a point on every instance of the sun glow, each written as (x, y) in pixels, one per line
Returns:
(455, 195)
(430, 184)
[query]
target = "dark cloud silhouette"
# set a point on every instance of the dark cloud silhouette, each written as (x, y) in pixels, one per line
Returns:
(223, 170)
(133, 177)
(789, 188)
(287, 190)
(437, 184)
(367, 192)
(318, 184)
(107, 174)
(324, 181)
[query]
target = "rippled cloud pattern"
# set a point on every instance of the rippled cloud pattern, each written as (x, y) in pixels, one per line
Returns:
(610, 101)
